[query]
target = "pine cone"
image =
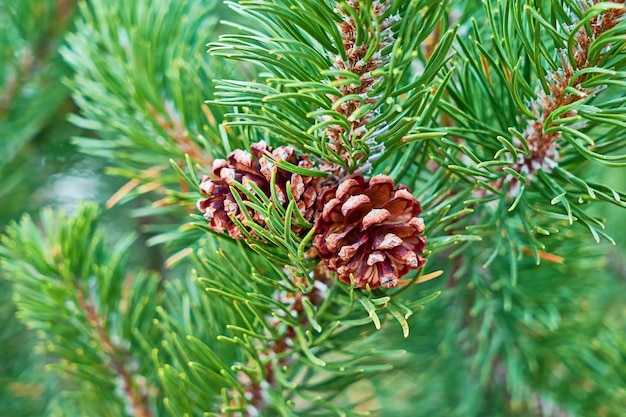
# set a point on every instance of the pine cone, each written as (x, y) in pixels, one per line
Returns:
(370, 229)
(245, 168)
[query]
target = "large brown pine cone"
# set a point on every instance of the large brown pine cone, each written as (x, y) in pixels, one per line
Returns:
(370, 229)
(245, 168)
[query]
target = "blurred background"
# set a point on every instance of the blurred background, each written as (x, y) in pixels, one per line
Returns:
(38, 166)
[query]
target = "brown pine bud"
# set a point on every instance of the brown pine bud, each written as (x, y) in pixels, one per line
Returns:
(370, 230)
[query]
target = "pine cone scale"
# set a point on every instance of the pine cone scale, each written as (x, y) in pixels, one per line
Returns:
(345, 189)
(334, 241)
(388, 241)
(356, 206)
(375, 216)
(347, 252)
(381, 190)
(329, 213)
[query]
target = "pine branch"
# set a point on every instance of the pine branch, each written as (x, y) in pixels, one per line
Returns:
(245, 196)
(117, 359)
(492, 346)
(74, 291)
(29, 61)
(353, 98)
(542, 135)
(140, 82)
(535, 163)
(301, 255)
(32, 98)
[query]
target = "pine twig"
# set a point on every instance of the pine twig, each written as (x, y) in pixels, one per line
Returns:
(363, 60)
(542, 140)
(274, 351)
(137, 401)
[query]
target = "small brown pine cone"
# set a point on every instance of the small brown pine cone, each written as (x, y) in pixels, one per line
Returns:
(246, 168)
(304, 189)
(370, 229)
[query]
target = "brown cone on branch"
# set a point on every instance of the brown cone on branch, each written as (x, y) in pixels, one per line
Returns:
(220, 206)
(370, 230)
